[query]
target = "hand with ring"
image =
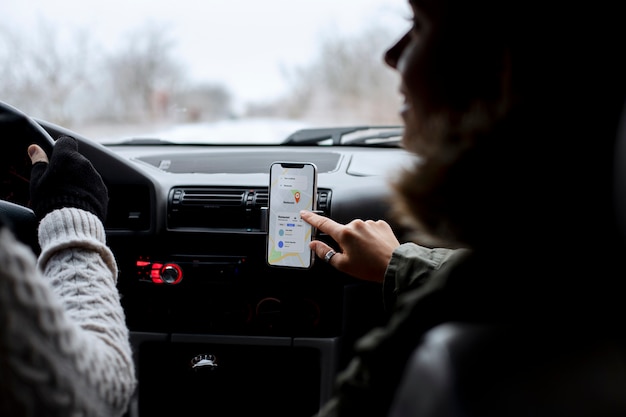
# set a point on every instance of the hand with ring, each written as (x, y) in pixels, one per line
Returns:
(365, 247)
(329, 255)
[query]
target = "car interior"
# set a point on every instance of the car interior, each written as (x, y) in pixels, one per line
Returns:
(215, 330)
(212, 325)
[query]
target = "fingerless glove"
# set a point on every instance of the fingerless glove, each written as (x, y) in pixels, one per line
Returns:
(68, 180)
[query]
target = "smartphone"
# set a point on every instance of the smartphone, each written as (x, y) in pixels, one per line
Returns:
(293, 187)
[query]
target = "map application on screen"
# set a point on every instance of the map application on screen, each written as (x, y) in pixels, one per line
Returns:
(292, 188)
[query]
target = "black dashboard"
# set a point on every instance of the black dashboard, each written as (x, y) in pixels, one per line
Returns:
(187, 226)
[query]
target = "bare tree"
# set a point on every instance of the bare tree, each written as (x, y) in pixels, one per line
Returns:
(142, 76)
(347, 83)
(45, 75)
(9, 48)
(143, 81)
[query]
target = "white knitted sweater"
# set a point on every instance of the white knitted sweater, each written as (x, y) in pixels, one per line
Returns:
(64, 344)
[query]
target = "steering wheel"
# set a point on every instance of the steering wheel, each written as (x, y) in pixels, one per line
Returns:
(17, 131)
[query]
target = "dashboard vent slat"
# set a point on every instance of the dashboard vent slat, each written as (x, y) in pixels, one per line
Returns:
(232, 198)
(262, 198)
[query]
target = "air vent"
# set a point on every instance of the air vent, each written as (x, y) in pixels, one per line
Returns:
(208, 197)
(323, 201)
(223, 208)
(262, 199)
(214, 208)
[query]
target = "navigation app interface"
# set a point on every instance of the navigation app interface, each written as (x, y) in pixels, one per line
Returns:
(292, 189)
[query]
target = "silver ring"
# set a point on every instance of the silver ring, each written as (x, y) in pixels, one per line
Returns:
(329, 255)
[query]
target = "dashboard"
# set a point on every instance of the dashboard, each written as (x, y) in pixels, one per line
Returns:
(188, 227)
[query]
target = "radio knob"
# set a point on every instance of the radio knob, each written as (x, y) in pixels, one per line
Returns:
(171, 274)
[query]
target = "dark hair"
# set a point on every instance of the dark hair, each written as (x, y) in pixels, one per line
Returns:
(512, 165)
(525, 178)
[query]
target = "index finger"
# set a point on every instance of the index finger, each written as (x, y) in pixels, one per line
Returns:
(326, 225)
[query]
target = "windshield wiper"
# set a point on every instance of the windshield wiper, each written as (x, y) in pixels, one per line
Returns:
(347, 135)
(391, 138)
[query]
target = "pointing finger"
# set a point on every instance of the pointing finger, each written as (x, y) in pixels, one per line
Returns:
(326, 225)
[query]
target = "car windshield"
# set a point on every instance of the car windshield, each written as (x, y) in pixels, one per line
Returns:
(214, 72)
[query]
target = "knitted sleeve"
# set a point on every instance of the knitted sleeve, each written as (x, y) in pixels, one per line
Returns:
(64, 344)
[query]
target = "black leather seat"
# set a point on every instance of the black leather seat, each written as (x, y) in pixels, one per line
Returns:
(464, 369)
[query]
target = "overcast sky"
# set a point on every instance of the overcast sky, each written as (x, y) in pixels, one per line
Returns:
(242, 43)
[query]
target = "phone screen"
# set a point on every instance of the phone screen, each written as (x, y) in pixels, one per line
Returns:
(293, 187)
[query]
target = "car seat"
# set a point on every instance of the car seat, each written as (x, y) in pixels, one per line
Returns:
(467, 370)
(470, 369)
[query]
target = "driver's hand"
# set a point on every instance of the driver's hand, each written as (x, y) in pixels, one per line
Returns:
(365, 247)
(68, 179)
